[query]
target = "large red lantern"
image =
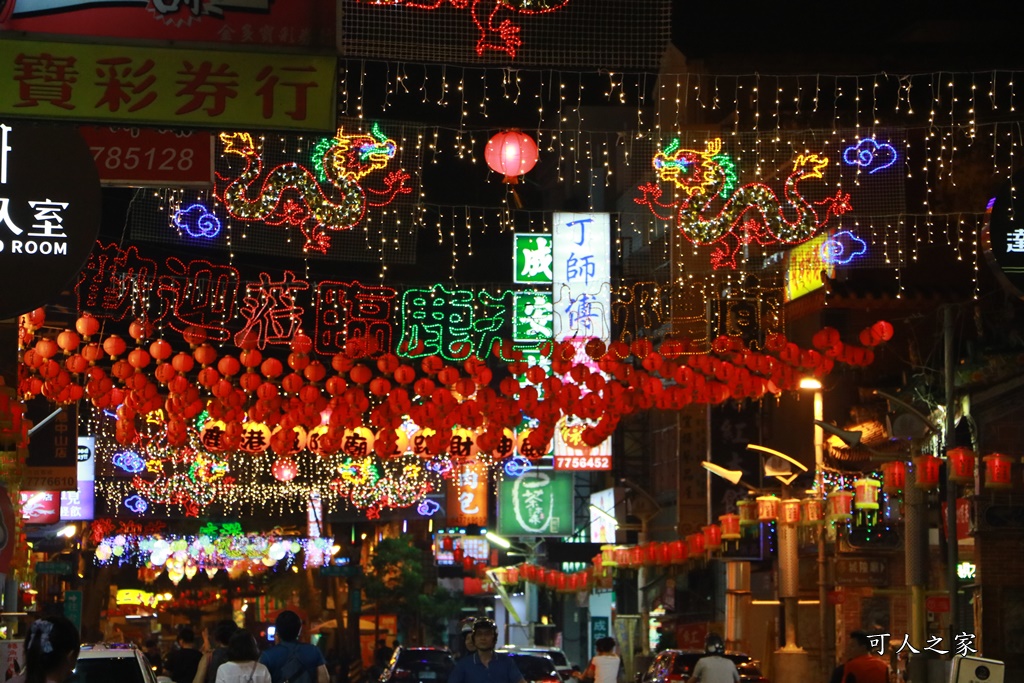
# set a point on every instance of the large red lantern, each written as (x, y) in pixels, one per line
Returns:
(748, 512)
(894, 476)
(730, 526)
(840, 506)
(511, 153)
(998, 471)
(712, 536)
(961, 465)
(926, 472)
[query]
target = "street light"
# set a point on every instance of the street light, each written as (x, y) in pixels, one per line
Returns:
(814, 384)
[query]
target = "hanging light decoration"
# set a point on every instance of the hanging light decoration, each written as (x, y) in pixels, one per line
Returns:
(894, 476)
(866, 499)
(767, 508)
(730, 526)
(840, 506)
(998, 471)
(961, 465)
(813, 512)
(712, 536)
(512, 154)
(748, 512)
(926, 472)
(791, 512)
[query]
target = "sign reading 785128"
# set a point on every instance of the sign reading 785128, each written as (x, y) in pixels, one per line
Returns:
(49, 211)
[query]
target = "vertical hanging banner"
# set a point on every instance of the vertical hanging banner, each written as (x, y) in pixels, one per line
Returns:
(52, 463)
(80, 505)
(467, 495)
(581, 277)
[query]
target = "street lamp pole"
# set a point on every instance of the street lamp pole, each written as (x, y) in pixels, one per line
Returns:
(819, 478)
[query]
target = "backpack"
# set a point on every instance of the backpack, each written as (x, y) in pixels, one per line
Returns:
(294, 671)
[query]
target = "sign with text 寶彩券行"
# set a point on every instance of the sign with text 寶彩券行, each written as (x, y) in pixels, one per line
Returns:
(167, 87)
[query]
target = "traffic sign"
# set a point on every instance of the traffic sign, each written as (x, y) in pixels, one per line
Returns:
(53, 567)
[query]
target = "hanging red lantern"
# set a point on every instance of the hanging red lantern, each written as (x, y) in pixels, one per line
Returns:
(840, 506)
(767, 508)
(866, 493)
(748, 512)
(87, 325)
(813, 512)
(730, 526)
(712, 536)
(790, 512)
(512, 154)
(926, 472)
(695, 544)
(998, 471)
(285, 469)
(894, 476)
(961, 465)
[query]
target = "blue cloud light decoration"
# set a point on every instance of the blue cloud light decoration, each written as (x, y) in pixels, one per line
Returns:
(842, 248)
(517, 466)
(427, 507)
(870, 152)
(136, 504)
(129, 461)
(197, 221)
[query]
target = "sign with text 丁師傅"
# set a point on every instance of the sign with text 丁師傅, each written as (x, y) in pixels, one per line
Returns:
(537, 503)
(167, 87)
(49, 211)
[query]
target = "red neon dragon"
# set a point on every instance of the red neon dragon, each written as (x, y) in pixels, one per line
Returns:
(497, 34)
(751, 213)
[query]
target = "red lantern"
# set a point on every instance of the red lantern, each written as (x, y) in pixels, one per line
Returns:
(511, 154)
(767, 508)
(678, 552)
(695, 544)
(840, 506)
(712, 536)
(926, 471)
(285, 469)
(998, 471)
(961, 465)
(87, 325)
(790, 512)
(748, 512)
(730, 526)
(894, 476)
(866, 493)
(813, 512)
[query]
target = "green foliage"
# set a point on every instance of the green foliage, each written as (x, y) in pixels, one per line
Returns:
(395, 582)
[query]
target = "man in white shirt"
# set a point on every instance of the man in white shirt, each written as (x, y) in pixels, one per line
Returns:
(714, 668)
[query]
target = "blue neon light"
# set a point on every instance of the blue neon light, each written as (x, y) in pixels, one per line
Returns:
(842, 248)
(517, 466)
(428, 507)
(129, 462)
(869, 151)
(136, 504)
(197, 221)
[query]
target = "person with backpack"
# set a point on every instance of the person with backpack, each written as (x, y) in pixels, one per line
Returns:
(290, 661)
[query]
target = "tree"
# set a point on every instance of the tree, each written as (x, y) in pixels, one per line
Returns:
(395, 583)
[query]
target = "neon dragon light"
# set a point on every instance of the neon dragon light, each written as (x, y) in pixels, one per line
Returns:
(328, 198)
(748, 214)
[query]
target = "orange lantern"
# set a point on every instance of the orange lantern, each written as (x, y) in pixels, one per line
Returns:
(961, 465)
(512, 154)
(712, 536)
(662, 554)
(730, 526)
(748, 512)
(790, 512)
(894, 476)
(998, 471)
(926, 471)
(840, 506)
(767, 508)
(866, 493)
(813, 512)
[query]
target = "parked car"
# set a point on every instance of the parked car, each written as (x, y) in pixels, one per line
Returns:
(675, 666)
(536, 668)
(121, 662)
(422, 664)
(562, 664)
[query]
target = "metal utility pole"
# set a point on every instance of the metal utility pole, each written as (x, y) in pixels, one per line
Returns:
(953, 543)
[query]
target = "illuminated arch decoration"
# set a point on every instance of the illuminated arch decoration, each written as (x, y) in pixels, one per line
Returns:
(491, 17)
(749, 214)
(328, 197)
(197, 221)
(843, 248)
(871, 154)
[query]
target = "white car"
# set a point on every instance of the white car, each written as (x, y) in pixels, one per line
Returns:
(562, 664)
(121, 662)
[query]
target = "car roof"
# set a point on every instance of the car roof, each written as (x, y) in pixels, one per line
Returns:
(107, 651)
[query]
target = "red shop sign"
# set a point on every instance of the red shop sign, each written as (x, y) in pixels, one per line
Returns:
(937, 603)
(146, 156)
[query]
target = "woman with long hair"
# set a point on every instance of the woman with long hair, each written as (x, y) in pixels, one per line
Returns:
(242, 665)
(51, 651)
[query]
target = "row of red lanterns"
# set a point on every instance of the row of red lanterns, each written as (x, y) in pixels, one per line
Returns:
(960, 462)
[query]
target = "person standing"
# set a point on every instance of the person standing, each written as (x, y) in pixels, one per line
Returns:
(292, 661)
(484, 665)
(242, 665)
(182, 664)
(862, 666)
(605, 666)
(216, 654)
(51, 651)
(714, 668)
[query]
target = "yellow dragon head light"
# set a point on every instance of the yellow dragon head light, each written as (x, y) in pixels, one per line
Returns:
(816, 163)
(238, 143)
(353, 156)
(692, 171)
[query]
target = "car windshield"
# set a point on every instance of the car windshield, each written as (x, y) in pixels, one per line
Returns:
(120, 669)
(534, 668)
(556, 656)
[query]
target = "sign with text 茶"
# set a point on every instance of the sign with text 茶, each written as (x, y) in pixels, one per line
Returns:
(49, 211)
(536, 503)
(467, 495)
(532, 259)
(133, 157)
(167, 87)
(581, 267)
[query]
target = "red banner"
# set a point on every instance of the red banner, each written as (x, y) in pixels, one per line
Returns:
(145, 156)
(295, 23)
